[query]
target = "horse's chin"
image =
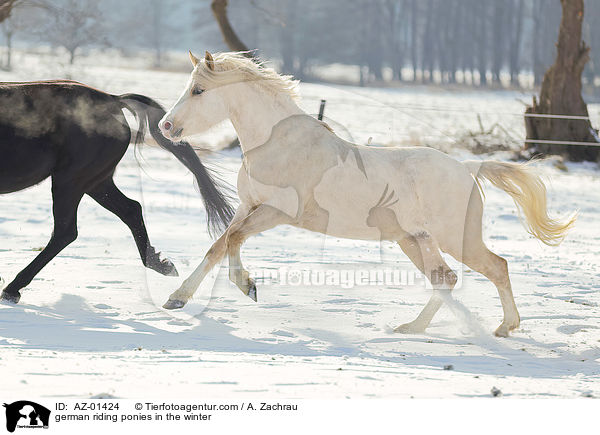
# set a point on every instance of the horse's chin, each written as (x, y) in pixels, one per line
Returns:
(176, 136)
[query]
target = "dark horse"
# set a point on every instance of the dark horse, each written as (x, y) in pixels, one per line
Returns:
(77, 135)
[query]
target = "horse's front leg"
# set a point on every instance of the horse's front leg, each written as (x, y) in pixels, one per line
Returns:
(261, 218)
(215, 254)
(184, 293)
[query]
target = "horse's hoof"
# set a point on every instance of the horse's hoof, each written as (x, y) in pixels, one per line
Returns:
(163, 266)
(409, 328)
(173, 304)
(502, 331)
(252, 291)
(13, 298)
(169, 268)
(505, 328)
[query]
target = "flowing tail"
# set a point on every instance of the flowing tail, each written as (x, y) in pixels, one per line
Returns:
(524, 185)
(219, 211)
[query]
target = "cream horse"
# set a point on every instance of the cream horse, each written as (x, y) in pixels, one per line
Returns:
(296, 171)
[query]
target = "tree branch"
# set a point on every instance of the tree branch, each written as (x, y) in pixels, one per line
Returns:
(219, 9)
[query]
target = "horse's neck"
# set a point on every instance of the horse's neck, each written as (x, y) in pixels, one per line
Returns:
(256, 113)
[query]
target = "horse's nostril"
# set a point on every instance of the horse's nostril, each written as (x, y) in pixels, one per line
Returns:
(168, 125)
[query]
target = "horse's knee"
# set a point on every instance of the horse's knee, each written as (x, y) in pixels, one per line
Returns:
(443, 277)
(234, 241)
(450, 278)
(65, 236)
(218, 249)
(502, 265)
(133, 213)
(422, 236)
(498, 272)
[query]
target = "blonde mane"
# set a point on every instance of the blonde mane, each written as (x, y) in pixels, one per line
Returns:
(234, 67)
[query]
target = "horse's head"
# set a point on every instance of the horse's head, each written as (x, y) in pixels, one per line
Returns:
(228, 86)
(200, 106)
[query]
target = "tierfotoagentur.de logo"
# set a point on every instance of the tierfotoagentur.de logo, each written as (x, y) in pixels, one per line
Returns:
(26, 415)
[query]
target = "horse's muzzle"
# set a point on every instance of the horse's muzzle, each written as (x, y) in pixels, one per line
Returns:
(168, 130)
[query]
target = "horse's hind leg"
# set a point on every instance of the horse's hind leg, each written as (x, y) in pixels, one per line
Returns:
(479, 258)
(64, 208)
(424, 252)
(108, 195)
(475, 254)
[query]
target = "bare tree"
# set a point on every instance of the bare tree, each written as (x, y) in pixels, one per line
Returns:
(9, 27)
(75, 24)
(159, 30)
(6, 7)
(392, 11)
(482, 39)
(288, 42)
(515, 40)
(11, 23)
(561, 93)
(499, 27)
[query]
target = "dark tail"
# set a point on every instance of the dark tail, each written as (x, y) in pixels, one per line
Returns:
(148, 112)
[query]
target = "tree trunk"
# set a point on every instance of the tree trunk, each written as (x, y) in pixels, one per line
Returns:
(157, 40)
(500, 26)
(288, 43)
(414, 38)
(515, 46)
(374, 55)
(482, 44)
(6, 7)
(219, 9)
(394, 44)
(456, 36)
(9, 36)
(536, 13)
(427, 45)
(561, 94)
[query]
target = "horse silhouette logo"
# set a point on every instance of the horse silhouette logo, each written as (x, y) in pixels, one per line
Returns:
(26, 414)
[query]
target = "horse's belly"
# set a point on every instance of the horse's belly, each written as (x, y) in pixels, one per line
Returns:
(23, 165)
(361, 208)
(346, 230)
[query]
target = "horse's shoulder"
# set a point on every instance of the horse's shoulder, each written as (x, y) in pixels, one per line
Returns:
(297, 122)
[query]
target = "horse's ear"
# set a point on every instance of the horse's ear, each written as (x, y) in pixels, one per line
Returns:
(194, 59)
(210, 62)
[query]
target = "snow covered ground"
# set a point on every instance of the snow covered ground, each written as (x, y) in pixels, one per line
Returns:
(91, 322)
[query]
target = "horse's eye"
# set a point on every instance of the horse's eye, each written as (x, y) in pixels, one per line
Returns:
(197, 91)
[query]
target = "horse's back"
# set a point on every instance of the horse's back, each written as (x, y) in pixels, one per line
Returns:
(51, 110)
(47, 125)
(421, 182)
(39, 82)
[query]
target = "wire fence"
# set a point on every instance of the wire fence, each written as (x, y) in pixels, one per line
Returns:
(411, 107)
